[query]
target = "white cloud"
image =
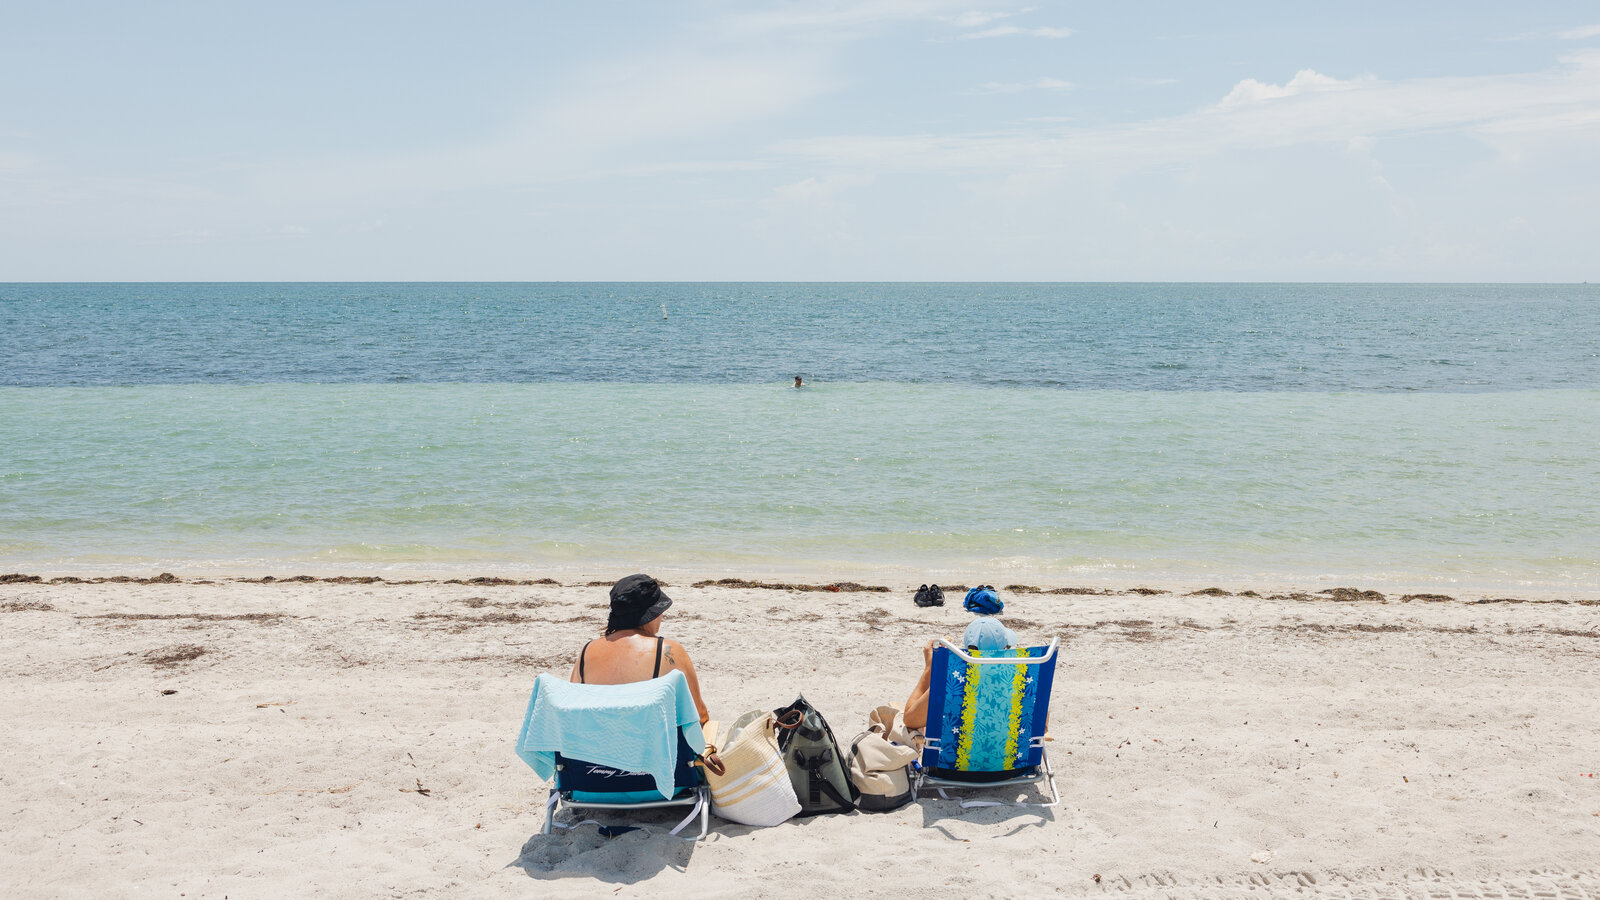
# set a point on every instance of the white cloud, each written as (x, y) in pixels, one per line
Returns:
(997, 31)
(1043, 31)
(839, 16)
(820, 190)
(681, 95)
(1581, 32)
(690, 168)
(612, 110)
(1304, 81)
(14, 163)
(1038, 84)
(978, 19)
(1504, 111)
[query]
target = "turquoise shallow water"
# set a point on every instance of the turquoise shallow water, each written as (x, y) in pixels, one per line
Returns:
(1496, 488)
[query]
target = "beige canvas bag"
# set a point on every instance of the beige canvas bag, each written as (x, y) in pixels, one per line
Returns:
(754, 788)
(880, 761)
(888, 721)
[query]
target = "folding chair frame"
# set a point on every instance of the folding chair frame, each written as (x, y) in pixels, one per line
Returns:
(698, 797)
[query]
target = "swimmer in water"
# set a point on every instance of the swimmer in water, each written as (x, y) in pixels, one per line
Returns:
(798, 384)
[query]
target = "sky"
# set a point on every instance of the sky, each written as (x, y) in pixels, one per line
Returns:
(905, 140)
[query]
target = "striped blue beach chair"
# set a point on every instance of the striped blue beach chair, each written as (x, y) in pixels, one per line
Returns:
(987, 716)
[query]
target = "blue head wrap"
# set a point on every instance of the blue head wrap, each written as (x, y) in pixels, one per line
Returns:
(983, 601)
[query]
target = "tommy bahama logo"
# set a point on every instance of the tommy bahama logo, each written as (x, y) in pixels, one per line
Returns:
(605, 772)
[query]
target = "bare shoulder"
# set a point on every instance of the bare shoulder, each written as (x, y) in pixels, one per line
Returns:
(674, 654)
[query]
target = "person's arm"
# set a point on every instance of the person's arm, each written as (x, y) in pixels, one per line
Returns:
(678, 658)
(915, 714)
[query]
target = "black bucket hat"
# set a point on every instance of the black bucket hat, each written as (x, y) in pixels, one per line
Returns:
(635, 600)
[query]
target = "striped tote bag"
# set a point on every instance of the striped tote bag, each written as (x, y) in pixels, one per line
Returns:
(755, 788)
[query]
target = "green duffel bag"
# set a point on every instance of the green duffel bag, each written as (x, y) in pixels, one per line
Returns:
(816, 766)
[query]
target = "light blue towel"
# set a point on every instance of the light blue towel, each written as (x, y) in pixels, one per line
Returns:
(631, 727)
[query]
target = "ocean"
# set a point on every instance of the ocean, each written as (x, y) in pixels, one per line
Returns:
(1064, 433)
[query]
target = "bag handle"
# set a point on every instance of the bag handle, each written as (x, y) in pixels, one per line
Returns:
(711, 762)
(790, 719)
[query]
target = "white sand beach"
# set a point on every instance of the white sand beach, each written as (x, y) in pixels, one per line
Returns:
(233, 739)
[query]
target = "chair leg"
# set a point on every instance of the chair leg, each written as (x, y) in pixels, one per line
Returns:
(1050, 776)
(550, 810)
(701, 802)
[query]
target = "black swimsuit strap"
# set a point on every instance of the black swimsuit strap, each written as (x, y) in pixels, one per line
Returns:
(655, 674)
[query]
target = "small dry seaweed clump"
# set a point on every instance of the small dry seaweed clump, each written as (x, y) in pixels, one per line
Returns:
(19, 578)
(845, 587)
(266, 618)
(273, 579)
(875, 618)
(168, 657)
(1350, 595)
(26, 606)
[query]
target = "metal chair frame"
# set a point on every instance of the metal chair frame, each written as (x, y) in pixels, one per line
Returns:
(697, 797)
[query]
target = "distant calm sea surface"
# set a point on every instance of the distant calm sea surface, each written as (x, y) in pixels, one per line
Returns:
(1403, 434)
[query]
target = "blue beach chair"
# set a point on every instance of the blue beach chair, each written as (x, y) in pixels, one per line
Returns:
(622, 748)
(987, 716)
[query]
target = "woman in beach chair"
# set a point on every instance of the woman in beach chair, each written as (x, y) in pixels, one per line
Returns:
(625, 732)
(632, 648)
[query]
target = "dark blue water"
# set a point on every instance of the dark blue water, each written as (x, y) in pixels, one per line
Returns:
(1221, 337)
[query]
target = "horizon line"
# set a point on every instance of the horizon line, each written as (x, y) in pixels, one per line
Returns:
(777, 281)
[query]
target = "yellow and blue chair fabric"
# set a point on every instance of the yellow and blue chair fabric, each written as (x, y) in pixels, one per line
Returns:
(987, 718)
